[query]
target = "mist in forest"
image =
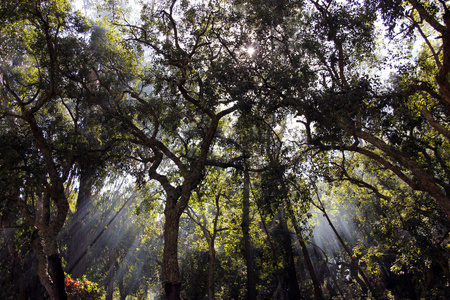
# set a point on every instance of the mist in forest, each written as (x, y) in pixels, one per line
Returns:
(323, 235)
(113, 242)
(169, 149)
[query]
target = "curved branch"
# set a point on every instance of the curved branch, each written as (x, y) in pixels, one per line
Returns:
(424, 14)
(361, 183)
(425, 38)
(436, 125)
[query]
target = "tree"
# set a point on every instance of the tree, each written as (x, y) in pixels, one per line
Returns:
(101, 151)
(344, 107)
(193, 87)
(387, 228)
(347, 108)
(40, 112)
(212, 189)
(175, 109)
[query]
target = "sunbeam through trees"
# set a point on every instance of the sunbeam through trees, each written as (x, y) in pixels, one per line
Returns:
(224, 149)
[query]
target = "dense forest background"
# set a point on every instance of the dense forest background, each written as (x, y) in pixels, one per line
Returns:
(224, 149)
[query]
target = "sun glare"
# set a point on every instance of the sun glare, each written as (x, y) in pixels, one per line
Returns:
(250, 50)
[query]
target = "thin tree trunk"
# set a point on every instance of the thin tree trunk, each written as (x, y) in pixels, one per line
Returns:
(248, 251)
(317, 290)
(212, 249)
(110, 280)
(333, 278)
(274, 257)
(211, 238)
(211, 265)
(349, 252)
(289, 272)
(79, 239)
(122, 290)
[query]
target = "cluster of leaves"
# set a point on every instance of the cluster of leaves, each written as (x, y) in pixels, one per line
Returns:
(83, 289)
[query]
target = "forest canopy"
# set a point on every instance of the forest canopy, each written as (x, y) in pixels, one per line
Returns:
(224, 149)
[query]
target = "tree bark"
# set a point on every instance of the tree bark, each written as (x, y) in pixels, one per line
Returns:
(50, 271)
(55, 266)
(290, 281)
(171, 272)
(46, 247)
(211, 271)
(248, 250)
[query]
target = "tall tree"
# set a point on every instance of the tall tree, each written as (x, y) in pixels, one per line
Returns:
(40, 108)
(193, 81)
(248, 247)
(101, 150)
(213, 188)
(347, 108)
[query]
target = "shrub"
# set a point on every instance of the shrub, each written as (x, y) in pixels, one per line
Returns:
(83, 289)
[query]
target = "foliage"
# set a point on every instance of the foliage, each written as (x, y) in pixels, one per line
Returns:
(83, 289)
(189, 142)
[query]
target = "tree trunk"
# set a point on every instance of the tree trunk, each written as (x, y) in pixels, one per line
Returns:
(278, 292)
(317, 290)
(352, 257)
(122, 290)
(111, 272)
(171, 272)
(55, 266)
(211, 273)
(50, 271)
(248, 251)
(290, 281)
(79, 240)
